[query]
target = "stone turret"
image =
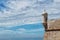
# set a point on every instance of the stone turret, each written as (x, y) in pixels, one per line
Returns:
(45, 19)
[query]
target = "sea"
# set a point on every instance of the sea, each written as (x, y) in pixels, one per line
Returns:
(29, 39)
(24, 39)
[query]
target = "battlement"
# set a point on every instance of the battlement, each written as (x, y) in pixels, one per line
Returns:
(54, 24)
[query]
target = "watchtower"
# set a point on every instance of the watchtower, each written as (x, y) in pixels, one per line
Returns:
(45, 19)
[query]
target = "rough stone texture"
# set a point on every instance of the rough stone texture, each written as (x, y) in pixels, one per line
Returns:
(52, 35)
(54, 24)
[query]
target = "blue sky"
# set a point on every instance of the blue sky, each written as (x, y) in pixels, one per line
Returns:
(22, 18)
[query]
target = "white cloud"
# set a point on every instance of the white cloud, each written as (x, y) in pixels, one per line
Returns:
(22, 12)
(56, 0)
(41, 0)
(17, 22)
(16, 14)
(18, 4)
(12, 7)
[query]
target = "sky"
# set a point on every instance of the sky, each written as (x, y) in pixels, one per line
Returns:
(23, 18)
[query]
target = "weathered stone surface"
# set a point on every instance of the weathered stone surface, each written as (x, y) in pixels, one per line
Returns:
(54, 24)
(52, 35)
(52, 28)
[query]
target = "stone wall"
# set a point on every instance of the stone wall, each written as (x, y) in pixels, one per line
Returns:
(54, 24)
(52, 35)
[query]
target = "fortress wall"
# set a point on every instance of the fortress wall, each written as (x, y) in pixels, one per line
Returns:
(52, 35)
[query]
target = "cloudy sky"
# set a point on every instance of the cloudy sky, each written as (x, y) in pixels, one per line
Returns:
(22, 18)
